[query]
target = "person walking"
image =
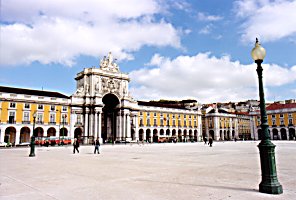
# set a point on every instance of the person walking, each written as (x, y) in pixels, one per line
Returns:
(75, 145)
(97, 145)
(205, 140)
(210, 141)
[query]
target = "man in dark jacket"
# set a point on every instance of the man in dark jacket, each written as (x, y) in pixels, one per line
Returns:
(97, 145)
(75, 145)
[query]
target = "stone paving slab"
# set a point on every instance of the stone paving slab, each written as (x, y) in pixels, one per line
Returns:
(228, 170)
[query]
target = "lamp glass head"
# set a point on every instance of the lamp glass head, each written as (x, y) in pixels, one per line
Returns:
(258, 52)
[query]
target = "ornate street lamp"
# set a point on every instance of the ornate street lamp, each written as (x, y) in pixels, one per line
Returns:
(269, 183)
(32, 145)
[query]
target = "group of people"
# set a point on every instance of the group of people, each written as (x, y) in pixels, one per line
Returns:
(210, 141)
(76, 146)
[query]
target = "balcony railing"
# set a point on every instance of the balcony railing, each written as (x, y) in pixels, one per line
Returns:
(39, 122)
(52, 123)
(26, 122)
(11, 122)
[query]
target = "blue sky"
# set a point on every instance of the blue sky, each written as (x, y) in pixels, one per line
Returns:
(171, 49)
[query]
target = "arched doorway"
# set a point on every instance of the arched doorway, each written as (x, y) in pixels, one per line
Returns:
(161, 132)
(190, 136)
(10, 133)
(221, 135)
(174, 133)
(109, 115)
(225, 136)
(25, 135)
(51, 132)
(284, 134)
(155, 137)
(148, 135)
(228, 135)
(180, 135)
(141, 135)
(292, 134)
(233, 133)
(63, 132)
(185, 135)
(195, 135)
(275, 134)
(167, 132)
(38, 132)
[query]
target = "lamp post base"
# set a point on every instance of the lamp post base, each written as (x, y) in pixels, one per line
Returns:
(269, 183)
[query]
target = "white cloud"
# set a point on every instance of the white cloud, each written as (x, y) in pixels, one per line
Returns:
(206, 30)
(204, 17)
(271, 20)
(204, 77)
(55, 32)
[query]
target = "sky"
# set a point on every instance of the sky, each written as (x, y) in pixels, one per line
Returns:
(171, 49)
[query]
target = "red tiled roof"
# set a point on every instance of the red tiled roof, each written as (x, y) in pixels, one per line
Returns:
(278, 106)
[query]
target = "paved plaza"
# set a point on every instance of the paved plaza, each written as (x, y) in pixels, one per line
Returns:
(228, 170)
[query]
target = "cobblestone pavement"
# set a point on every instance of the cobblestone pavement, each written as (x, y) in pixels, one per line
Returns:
(228, 170)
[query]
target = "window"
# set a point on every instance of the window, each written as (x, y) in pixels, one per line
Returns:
(12, 105)
(290, 115)
(189, 123)
(40, 117)
(141, 113)
(273, 116)
(155, 122)
(195, 123)
(141, 122)
(52, 108)
(273, 122)
(185, 122)
(281, 115)
(148, 122)
(26, 116)
(282, 122)
(52, 118)
(27, 106)
(11, 117)
(78, 118)
(290, 121)
(64, 108)
(154, 114)
(161, 122)
(64, 118)
(148, 114)
(174, 123)
(40, 107)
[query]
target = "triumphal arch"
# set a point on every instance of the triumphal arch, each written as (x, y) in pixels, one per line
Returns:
(102, 106)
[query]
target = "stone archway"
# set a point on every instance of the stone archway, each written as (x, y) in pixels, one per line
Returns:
(292, 135)
(167, 132)
(141, 135)
(51, 132)
(25, 135)
(109, 117)
(275, 134)
(148, 135)
(185, 135)
(10, 134)
(283, 134)
(133, 134)
(190, 135)
(63, 132)
(195, 135)
(174, 132)
(155, 136)
(180, 135)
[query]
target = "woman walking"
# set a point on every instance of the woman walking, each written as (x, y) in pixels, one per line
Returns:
(75, 145)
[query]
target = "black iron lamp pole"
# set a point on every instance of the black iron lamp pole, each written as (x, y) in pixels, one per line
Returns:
(269, 183)
(32, 144)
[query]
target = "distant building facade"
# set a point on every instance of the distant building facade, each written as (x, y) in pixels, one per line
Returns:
(17, 107)
(281, 120)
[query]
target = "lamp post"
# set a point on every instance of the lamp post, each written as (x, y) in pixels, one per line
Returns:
(269, 183)
(32, 145)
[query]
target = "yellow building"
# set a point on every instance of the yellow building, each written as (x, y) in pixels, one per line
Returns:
(281, 118)
(167, 121)
(19, 107)
(222, 124)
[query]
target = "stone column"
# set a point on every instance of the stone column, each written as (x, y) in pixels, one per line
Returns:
(123, 125)
(100, 126)
(86, 125)
(96, 125)
(119, 125)
(136, 127)
(128, 126)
